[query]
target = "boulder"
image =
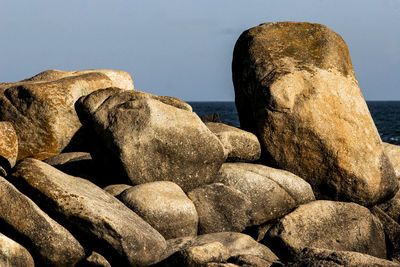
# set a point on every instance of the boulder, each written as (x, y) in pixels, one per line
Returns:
(152, 138)
(273, 192)
(116, 189)
(324, 257)
(13, 254)
(50, 243)
(8, 147)
(211, 118)
(393, 153)
(98, 219)
(221, 208)
(95, 260)
(164, 206)
(391, 229)
(239, 145)
(215, 247)
(42, 107)
(295, 88)
(328, 225)
(392, 207)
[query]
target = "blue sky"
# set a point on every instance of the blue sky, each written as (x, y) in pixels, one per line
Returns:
(184, 48)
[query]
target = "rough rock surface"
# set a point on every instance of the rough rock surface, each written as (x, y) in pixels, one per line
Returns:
(42, 107)
(295, 88)
(95, 260)
(281, 190)
(221, 208)
(329, 225)
(215, 247)
(392, 207)
(239, 145)
(8, 147)
(164, 206)
(393, 153)
(153, 138)
(116, 189)
(316, 257)
(13, 254)
(50, 243)
(100, 220)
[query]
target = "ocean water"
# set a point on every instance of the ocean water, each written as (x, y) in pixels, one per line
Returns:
(386, 115)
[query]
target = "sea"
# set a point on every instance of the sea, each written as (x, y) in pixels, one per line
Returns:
(386, 115)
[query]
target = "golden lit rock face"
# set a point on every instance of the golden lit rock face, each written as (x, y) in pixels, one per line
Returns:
(8, 143)
(295, 88)
(42, 107)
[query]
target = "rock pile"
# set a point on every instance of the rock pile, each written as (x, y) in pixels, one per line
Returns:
(95, 173)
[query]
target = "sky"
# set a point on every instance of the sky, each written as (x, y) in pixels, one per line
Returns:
(184, 48)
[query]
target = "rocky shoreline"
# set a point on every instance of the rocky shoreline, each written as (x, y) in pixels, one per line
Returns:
(96, 173)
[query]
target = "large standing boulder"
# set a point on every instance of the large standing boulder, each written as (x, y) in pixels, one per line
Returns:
(273, 193)
(50, 243)
(328, 225)
(164, 206)
(13, 254)
(8, 147)
(239, 145)
(153, 138)
(295, 88)
(99, 220)
(221, 208)
(42, 107)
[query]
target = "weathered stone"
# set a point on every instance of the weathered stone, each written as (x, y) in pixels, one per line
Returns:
(13, 254)
(391, 228)
(215, 247)
(116, 189)
(210, 118)
(221, 208)
(50, 243)
(42, 108)
(273, 193)
(325, 257)
(295, 88)
(393, 153)
(329, 225)
(8, 147)
(239, 145)
(164, 206)
(95, 260)
(250, 261)
(392, 207)
(99, 219)
(153, 138)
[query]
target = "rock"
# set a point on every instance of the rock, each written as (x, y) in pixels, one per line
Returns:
(42, 108)
(153, 138)
(211, 118)
(116, 189)
(164, 206)
(13, 254)
(295, 88)
(250, 261)
(392, 207)
(239, 145)
(8, 147)
(221, 208)
(97, 218)
(50, 243)
(325, 257)
(393, 153)
(391, 228)
(95, 260)
(215, 247)
(328, 225)
(282, 190)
